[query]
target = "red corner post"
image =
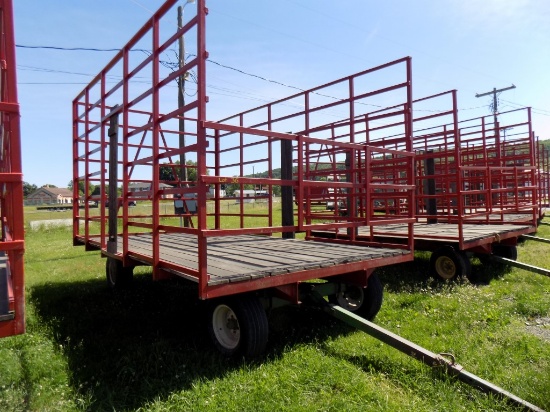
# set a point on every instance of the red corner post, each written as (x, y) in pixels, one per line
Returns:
(12, 311)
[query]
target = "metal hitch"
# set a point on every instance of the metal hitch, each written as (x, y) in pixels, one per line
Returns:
(409, 348)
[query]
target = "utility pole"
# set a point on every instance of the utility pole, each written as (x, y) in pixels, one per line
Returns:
(495, 101)
(181, 103)
(495, 116)
(181, 97)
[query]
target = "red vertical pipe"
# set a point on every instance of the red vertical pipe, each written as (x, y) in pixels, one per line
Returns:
(459, 181)
(241, 161)
(14, 192)
(409, 146)
(125, 156)
(76, 224)
(270, 169)
(352, 203)
(533, 162)
(155, 143)
(300, 178)
(217, 147)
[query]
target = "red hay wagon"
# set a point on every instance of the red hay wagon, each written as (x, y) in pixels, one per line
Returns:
(144, 132)
(475, 193)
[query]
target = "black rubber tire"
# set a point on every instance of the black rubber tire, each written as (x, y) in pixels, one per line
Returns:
(118, 276)
(467, 263)
(448, 264)
(238, 326)
(364, 302)
(506, 251)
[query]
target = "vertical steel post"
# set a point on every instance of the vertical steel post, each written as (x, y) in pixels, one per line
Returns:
(113, 179)
(287, 213)
(429, 187)
(126, 171)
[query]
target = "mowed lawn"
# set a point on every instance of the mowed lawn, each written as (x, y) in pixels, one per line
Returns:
(147, 349)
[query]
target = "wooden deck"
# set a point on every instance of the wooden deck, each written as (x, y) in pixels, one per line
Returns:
(242, 258)
(512, 217)
(448, 232)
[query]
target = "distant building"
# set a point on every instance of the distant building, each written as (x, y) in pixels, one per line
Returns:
(136, 188)
(49, 196)
(251, 196)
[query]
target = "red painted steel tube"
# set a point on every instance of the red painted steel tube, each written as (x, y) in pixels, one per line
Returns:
(11, 178)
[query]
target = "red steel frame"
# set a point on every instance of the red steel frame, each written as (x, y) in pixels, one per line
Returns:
(503, 156)
(464, 191)
(380, 170)
(11, 178)
(223, 153)
(543, 175)
(446, 190)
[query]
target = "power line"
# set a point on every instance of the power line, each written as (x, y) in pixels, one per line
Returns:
(22, 46)
(170, 65)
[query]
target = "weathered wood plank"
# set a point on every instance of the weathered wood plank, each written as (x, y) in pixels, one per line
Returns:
(240, 258)
(437, 230)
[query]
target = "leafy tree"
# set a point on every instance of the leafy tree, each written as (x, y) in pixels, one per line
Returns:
(167, 172)
(81, 186)
(28, 188)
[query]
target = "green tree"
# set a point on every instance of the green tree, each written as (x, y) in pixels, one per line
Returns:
(28, 188)
(81, 186)
(167, 172)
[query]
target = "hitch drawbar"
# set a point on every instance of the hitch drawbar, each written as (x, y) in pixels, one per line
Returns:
(524, 266)
(417, 352)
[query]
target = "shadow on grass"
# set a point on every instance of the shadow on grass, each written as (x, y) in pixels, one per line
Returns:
(132, 347)
(127, 348)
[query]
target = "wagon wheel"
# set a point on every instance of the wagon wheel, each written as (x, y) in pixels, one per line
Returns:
(467, 263)
(505, 251)
(446, 263)
(118, 276)
(365, 302)
(238, 326)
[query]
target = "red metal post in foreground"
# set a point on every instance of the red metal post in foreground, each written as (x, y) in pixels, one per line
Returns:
(12, 287)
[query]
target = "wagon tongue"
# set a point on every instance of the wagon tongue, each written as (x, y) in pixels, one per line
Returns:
(432, 359)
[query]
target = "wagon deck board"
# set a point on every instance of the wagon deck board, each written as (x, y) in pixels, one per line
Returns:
(433, 231)
(511, 217)
(239, 258)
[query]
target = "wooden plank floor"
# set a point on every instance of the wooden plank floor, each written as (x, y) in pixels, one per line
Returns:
(241, 258)
(512, 217)
(448, 230)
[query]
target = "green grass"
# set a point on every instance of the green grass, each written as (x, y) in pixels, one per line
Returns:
(147, 349)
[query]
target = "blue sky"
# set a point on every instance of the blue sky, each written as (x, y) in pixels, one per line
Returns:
(468, 45)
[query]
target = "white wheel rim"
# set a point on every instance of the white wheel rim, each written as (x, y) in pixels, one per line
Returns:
(445, 267)
(351, 299)
(226, 327)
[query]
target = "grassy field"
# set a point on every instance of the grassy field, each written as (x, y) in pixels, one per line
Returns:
(147, 349)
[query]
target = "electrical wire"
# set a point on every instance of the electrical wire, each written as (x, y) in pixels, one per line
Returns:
(172, 65)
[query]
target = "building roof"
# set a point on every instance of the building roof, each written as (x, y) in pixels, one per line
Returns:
(55, 191)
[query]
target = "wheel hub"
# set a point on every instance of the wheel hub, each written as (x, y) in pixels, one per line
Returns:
(445, 267)
(226, 327)
(351, 298)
